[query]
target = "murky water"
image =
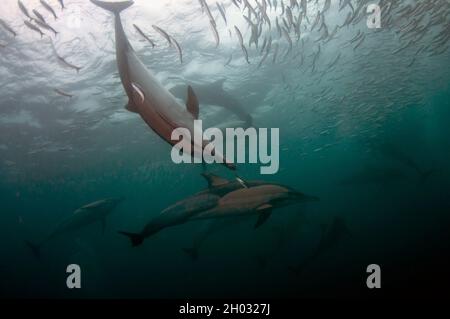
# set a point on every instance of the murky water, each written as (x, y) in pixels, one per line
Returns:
(363, 116)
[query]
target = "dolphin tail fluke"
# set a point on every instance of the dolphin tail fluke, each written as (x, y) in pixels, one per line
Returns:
(115, 7)
(35, 249)
(136, 239)
(191, 252)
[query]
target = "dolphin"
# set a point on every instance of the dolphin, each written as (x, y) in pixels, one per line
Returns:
(281, 237)
(175, 214)
(219, 186)
(394, 153)
(147, 97)
(214, 94)
(258, 200)
(84, 216)
(332, 234)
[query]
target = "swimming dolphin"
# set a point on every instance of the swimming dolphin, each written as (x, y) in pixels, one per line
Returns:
(84, 216)
(259, 200)
(214, 94)
(395, 153)
(219, 186)
(175, 214)
(282, 235)
(147, 97)
(331, 236)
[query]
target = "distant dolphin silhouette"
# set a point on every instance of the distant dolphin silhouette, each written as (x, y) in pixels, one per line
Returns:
(395, 153)
(147, 97)
(214, 94)
(331, 236)
(95, 212)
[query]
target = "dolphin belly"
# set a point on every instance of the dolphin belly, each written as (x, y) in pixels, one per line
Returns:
(154, 103)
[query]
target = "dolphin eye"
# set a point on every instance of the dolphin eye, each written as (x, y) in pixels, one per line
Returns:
(137, 90)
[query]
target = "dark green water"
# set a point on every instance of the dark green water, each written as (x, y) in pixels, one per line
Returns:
(370, 136)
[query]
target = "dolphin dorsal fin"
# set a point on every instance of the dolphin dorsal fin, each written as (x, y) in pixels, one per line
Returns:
(192, 102)
(214, 180)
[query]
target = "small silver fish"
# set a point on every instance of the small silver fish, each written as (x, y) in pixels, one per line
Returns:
(62, 93)
(215, 33)
(34, 28)
(241, 41)
(7, 27)
(23, 9)
(38, 15)
(144, 35)
(177, 45)
(222, 13)
(163, 33)
(68, 64)
(45, 26)
(49, 8)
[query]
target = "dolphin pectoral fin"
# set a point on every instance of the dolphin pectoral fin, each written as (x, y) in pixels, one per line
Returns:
(192, 103)
(214, 180)
(131, 107)
(264, 213)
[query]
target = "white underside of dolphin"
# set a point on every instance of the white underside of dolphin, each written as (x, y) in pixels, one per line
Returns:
(147, 97)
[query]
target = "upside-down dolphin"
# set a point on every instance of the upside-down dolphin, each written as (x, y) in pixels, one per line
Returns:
(147, 97)
(84, 216)
(258, 200)
(214, 94)
(331, 236)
